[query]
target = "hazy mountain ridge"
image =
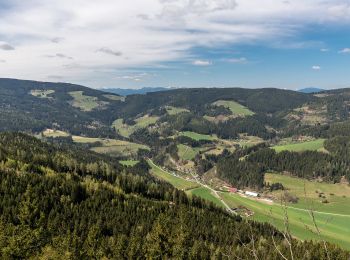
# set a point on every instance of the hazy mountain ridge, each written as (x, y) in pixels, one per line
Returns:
(130, 91)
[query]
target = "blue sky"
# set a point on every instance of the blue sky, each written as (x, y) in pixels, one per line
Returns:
(178, 43)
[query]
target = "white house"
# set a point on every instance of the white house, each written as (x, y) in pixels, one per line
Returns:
(251, 193)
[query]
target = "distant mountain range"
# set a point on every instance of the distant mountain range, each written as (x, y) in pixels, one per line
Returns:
(129, 91)
(311, 90)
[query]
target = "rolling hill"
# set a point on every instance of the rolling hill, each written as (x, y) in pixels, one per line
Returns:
(200, 140)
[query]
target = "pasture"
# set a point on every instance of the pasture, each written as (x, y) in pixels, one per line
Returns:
(196, 136)
(186, 152)
(333, 228)
(313, 192)
(236, 108)
(42, 93)
(206, 194)
(314, 145)
(128, 162)
(111, 146)
(141, 122)
(115, 97)
(85, 103)
(175, 110)
(177, 182)
(55, 133)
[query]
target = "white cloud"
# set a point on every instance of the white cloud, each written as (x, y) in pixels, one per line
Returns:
(201, 63)
(6, 47)
(324, 50)
(345, 50)
(316, 67)
(134, 77)
(111, 35)
(241, 60)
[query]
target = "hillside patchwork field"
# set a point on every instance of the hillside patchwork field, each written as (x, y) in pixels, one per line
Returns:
(236, 108)
(86, 103)
(141, 122)
(196, 136)
(314, 145)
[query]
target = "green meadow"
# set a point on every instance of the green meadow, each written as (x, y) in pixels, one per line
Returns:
(42, 93)
(177, 182)
(141, 122)
(309, 192)
(186, 152)
(175, 110)
(111, 146)
(196, 136)
(85, 103)
(314, 145)
(115, 97)
(333, 228)
(236, 108)
(206, 194)
(55, 133)
(128, 162)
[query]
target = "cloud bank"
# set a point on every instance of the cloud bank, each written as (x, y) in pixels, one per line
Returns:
(107, 36)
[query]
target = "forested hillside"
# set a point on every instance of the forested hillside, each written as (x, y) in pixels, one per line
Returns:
(59, 204)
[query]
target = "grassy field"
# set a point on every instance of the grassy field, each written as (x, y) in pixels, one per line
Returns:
(127, 130)
(308, 192)
(333, 228)
(55, 133)
(85, 103)
(175, 110)
(111, 146)
(197, 136)
(177, 182)
(332, 218)
(236, 108)
(206, 194)
(187, 152)
(118, 148)
(314, 145)
(128, 162)
(115, 97)
(41, 93)
(331, 221)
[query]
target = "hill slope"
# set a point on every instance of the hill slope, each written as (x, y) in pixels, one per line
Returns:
(57, 207)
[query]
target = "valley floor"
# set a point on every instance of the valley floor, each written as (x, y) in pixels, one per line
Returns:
(306, 220)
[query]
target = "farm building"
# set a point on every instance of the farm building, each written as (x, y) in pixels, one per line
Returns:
(252, 194)
(233, 190)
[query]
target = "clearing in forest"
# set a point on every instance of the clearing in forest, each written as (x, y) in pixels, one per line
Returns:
(196, 136)
(178, 182)
(236, 108)
(141, 122)
(187, 152)
(111, 146)
(128, 162)
(40, 93)
(314, 145)
(175, 110)
(86, 103)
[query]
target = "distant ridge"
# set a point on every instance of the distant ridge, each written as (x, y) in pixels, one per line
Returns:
(128, 91)
(311, 90)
